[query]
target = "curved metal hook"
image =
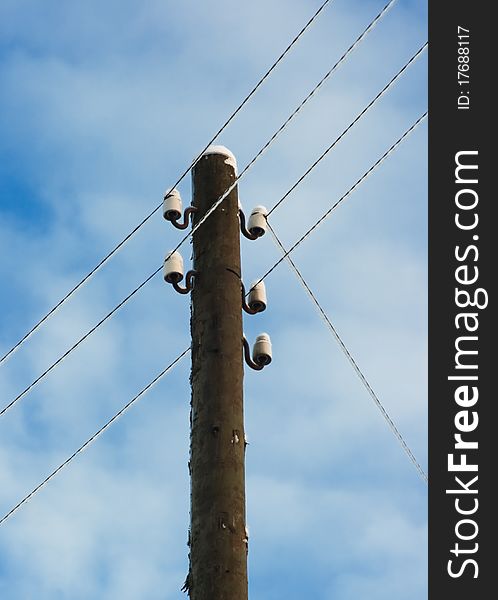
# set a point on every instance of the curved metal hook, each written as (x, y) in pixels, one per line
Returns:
(247, 356)
(243, 228)
(189, 283)
(245, 306)
(186, 218)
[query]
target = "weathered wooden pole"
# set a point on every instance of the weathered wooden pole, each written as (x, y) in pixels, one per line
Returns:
(217, 537)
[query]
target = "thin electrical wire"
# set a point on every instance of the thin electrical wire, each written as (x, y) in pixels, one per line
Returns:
(343, 197)
(351, 125)
(286, 254)
(76, 344)
(287, 121)
(94, 436)
(350, 358)
(105, 259)
(211, 209)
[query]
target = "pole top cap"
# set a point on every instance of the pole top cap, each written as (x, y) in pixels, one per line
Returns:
(230, 157)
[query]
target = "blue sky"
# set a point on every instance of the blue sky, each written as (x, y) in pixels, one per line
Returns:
(102, 106)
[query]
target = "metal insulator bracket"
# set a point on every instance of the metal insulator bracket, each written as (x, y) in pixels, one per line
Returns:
(189, 283)
(186, 218)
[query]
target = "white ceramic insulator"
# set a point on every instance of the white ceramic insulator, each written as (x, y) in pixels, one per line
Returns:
(173, 268)
(172, 205)
(261, 352)
(257, 221)
(257, 296)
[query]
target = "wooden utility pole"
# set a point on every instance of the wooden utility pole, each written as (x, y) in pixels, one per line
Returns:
(217, 537)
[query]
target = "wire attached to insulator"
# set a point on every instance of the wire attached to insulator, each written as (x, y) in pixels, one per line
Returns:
(257, 299)
(120, 245)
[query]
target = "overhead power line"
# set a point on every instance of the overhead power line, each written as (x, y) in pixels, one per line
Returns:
(220, 199)
(351, 125)
(286, 254)
(350, 358)
(76, 344)
(94, 436)
(287, 121)
(104, 260)
(343, 197)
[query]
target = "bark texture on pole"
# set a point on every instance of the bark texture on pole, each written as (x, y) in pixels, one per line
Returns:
(217, 537)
